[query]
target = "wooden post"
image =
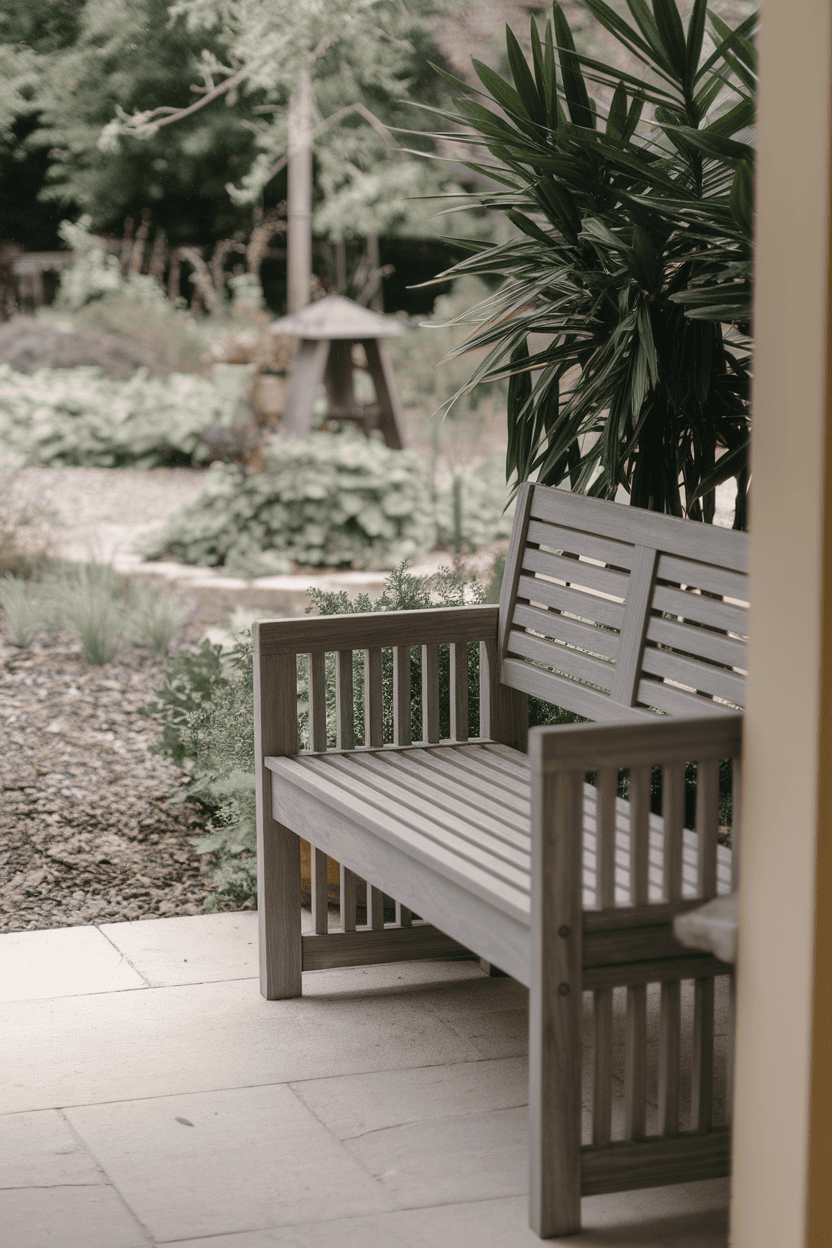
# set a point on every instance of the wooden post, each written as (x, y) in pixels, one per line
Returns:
(555, 999)
(278, 849)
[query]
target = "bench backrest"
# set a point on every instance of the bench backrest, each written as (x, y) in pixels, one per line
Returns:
(614, 612)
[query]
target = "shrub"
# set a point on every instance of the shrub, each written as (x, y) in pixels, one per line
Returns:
(79, 417)
(154, 617)
(631, 254)
(331, 500)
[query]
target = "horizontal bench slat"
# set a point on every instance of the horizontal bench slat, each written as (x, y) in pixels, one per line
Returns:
(402, 944)
(624, 1165)
(694, 574)
(479, 799)
(704, 542)
(571, 662)
(713, 680)
(392, 818)
(587, 606)
(566, 693)
(397, 792)
(703, 610)
(581, 542)
(577, 572)
(698, 641)
(597, 641)
(674, 701)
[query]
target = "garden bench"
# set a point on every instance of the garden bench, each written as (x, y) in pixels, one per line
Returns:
(625, 617)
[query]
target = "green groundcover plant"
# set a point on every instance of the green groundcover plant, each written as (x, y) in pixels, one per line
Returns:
(80, 418)
(631, 254)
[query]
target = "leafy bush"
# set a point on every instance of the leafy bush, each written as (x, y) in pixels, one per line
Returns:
(632, 254)
(78, 417)
(482, 514)
(328, 500)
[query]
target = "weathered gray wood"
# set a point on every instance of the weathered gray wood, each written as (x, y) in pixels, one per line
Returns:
(620, 1167)
(590, 607)
(344, 716)
(717, 647)
(597, 641)
(392, 944)
(631, 642)
(673, 814)
(635, 1063)
(278, 847)
(404, 917)
(320, 905)
(704, 543)
(695, 674)
(605, 848)
(628, 974)
(401, 695)
(581, 541)
(639, 835)
(555, 1005)
(504, 714)
(713, 578)
(570, 662)
(372, 697)
(702, 1073)
(317, 702)
(375, 908)
(430, 693)
(602, 1067)
(652, 741)
(511, 572)
(678, 702)
(348, 899)
(582, 575)
(701, 609)
(707, 823)
(670, 1031)
(459, 691)
(365, 630)
(569, 694)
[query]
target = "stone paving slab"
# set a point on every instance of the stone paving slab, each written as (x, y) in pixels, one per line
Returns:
(370, 1112)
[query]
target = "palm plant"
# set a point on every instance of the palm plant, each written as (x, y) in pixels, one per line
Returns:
(631, 254)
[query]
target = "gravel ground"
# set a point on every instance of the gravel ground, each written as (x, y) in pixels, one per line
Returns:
(86, 831)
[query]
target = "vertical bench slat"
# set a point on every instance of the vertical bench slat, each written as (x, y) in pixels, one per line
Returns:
(317, 701)
(401, 696)
(430, 693)
(375, 908)
(707, 824)
(607, 793)
(373, 724)
(348, 899)
(344, 717)
(673, 814)
(639, 835)
(320, 908)
(670, 1034)
(635, 1063)
(602, 1067)
(404, 917)
(459, 691)
(702, 1075)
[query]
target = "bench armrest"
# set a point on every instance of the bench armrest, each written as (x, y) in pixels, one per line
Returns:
(363, 631)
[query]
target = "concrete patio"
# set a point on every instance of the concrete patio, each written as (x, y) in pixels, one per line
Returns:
(149, 1095)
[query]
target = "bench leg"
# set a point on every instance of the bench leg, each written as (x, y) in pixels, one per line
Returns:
(492, 970)
(555, 1006)
(278, 910)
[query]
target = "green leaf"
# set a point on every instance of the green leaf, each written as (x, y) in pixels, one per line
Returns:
(574, 87)
(617, 116)
(672, 35)
(696, 33)
(742, 197)
(633, 118)
(502, 92)
(523, 80)
(528, 227)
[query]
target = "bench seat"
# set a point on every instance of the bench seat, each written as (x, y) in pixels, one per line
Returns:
(446, 829)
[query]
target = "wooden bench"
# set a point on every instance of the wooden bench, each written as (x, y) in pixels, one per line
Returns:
(621, 616)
